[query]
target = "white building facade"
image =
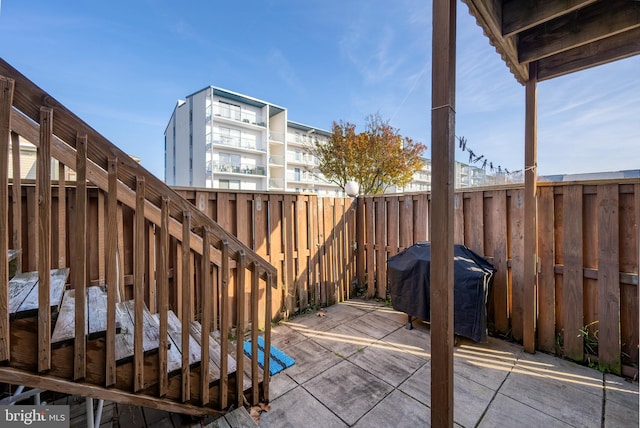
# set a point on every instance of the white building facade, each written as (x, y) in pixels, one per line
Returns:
(221, 139)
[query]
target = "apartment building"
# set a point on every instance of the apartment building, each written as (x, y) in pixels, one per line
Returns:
(217, 138)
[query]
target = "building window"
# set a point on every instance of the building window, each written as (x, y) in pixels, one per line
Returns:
(229, 184)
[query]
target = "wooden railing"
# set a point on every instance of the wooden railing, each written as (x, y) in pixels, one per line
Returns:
(117, 224)
(588, 238)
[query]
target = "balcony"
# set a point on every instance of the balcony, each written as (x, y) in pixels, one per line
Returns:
(276, 137)
(239, 115)
(276, 160)
(243, 143)
(241, 168)
(302, 158)
(276, 183)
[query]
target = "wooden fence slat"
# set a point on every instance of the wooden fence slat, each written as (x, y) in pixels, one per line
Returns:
(458, 216)
(608, 278)
(360, 242)
(380, 250)
(517, 262)
(406, 222)
(314, 251)
(421, 218)
(289, 258)
(163, 296)
(393, 225)
(302, 248)
(6, 101)
(476, 242)
(546, 276)
(370, 246)
(112, 272)
(572, 276)
(500, 281)
(138, 286)
(43, 180)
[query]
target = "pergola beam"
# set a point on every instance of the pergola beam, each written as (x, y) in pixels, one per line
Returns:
(587, 25)
(603, 51)
(520, 15)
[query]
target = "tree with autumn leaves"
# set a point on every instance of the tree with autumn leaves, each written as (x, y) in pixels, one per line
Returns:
(376, 158)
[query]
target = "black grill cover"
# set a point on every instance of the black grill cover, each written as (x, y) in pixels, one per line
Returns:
(408, 274)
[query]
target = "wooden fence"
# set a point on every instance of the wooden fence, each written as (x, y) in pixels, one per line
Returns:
(588, 238)
(326, 248)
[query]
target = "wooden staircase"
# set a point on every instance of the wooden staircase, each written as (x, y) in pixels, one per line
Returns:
(141, 312)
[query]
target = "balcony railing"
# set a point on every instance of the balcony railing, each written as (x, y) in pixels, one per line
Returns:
(276, 160)
(302, 158)
(277, 137)
(276, 183)
(238, 142)
(241, 168)
(244, 116)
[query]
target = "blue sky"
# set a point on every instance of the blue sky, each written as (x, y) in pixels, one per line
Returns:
(122, 65)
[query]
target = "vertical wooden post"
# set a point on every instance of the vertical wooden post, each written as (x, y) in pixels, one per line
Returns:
(80, 266)
(186, 304)
(206, 316)
(240, 315)
(224, 324)
(17, 199)
(271, 282)
(255, 279)
(443, 163)
(62, 216)
(43, 185)
(163, 294)
(112, 271)
(6, 101)
(530, 212)
(138, 285)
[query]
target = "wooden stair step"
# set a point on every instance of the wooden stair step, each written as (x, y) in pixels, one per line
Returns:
(125, 312)
(23, 292)
(195, 329)
(174, 357)
(174, 327)
(95, 315)
(215, 335)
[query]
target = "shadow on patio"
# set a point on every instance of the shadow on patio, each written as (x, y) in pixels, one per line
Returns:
(357, 365)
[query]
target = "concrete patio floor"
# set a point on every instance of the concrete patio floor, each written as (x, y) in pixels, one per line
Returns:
(359, 366)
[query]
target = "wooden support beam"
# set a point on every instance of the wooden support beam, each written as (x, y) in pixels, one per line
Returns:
(530, 212)
(138, 285)
(112, 272)
(43, 186)
(443, 164)
(80, 256)
(6, 100)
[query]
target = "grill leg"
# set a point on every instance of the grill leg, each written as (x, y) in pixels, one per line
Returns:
(409, 325)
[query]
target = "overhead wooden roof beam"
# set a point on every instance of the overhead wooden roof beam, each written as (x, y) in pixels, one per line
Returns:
(607, 50)
(520, 15)
(586, 25)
